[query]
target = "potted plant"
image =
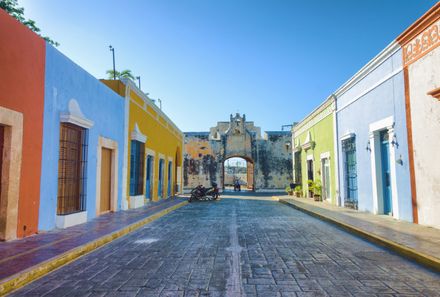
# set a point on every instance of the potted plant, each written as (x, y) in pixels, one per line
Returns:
(310, 185)
(289, 191)
(317, 190)
(298, 191)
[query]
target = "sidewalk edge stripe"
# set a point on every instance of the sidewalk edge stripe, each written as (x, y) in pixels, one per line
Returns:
(33, 273)
(421, 258)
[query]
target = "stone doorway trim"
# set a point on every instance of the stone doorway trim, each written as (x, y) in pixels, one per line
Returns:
(11, 172)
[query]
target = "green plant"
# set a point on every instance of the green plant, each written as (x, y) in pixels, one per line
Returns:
(317, 187)
(297, 189)
(289, 190)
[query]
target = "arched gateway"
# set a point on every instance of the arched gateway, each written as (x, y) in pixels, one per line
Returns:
(268, 159)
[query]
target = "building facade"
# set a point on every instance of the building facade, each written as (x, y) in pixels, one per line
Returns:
(153, 149)
(421, 72)
(314, 157)
(268, 159)
(22, 60)
(83, 143)
(372, 138)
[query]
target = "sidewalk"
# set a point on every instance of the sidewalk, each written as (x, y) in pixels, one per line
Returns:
(24, 260)
(419, 243)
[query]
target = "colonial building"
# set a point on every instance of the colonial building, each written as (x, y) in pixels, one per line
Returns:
(421, 72)
(83, 144)
(269, 159)
(152, 149)
(314, 158)
(22, 58)
(372, 138)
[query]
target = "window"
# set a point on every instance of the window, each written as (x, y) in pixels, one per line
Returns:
(298, 176)
(72, 169)
(350, 172)
(170, 169)
(136, 168)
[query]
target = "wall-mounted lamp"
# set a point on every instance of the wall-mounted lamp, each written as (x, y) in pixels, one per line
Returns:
(394, 141)
(287, 144)
(400, 160)
(368, 147)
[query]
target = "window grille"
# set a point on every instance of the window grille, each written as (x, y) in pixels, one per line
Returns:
(351, 187)
(72, 169)
(298, 175)
(136, 168)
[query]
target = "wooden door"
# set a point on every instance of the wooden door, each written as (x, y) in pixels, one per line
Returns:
(106, 176)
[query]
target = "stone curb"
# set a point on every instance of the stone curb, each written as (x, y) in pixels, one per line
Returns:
(407, 252)
(25, 277)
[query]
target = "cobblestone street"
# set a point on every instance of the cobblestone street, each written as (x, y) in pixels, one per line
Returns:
(238, 247)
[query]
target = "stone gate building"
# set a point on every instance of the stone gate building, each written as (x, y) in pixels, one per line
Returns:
(269, 159)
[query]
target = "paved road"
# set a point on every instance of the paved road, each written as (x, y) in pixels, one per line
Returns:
(238, 247)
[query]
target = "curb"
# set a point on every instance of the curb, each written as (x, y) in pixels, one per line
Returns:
(407, 252)
(23, 278)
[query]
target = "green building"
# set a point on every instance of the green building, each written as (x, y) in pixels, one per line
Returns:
(313, 152)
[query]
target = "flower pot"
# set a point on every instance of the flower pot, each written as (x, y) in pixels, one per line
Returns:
(317, 197)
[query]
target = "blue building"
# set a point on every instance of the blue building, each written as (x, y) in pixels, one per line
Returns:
(371, 138)
(83, 140)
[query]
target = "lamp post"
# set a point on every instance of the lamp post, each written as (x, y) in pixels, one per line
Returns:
(112, 49)
(139, 81)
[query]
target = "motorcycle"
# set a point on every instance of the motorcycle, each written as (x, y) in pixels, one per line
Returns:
(202, 194)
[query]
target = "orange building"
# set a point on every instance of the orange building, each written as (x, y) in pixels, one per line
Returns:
(22, 60)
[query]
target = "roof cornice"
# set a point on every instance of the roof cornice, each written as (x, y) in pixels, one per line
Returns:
(421, 24)
(387, 52)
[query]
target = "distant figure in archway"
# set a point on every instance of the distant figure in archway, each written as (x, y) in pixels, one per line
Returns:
(237, 186)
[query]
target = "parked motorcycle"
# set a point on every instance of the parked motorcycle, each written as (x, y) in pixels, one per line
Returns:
(201, 193)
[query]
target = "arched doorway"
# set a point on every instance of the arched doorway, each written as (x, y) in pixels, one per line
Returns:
(238, 169)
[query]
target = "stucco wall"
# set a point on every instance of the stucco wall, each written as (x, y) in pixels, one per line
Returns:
(22, 58)
(205, 153)
(64, 81)
(424, 76)
(377, 96)
(322, 134)
(163, 140)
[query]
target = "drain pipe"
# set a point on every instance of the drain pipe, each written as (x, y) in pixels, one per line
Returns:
(336, 148)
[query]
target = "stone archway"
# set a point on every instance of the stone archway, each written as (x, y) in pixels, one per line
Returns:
(206, 152)
(246, 175)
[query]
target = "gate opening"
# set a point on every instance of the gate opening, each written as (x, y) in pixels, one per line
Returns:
(238, 171)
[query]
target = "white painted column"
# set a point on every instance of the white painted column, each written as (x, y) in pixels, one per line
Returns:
(393, 175)
(375, 170)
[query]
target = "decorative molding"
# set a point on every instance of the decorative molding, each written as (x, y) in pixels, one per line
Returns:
(435, 93)
(136, 134)
(321, 112)
(148, 102)
(75, 116)
(422, 44)
(386, 123)
(347, 136)
(430, 17)
(390, 50)
(325, 155)
(377, 84)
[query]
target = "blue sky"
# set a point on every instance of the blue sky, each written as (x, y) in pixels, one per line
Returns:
(274, 60)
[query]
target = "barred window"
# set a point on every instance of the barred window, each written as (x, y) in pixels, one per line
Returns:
(298, 173)
(72, 169)
(136, 168)
(350, 172)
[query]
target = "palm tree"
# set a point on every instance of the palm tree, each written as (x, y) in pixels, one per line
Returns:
(123, 74)
(113, 74)
(126, 74)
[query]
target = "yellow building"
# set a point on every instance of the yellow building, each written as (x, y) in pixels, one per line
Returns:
(152, 168)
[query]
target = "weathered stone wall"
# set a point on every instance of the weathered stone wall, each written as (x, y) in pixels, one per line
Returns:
(205, 153)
